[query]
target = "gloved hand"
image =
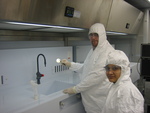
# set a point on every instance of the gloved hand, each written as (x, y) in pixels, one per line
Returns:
(65, 62)
(71, 90)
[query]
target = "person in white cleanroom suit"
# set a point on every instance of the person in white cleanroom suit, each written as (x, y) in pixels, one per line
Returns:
(123, 97)
(94, 84)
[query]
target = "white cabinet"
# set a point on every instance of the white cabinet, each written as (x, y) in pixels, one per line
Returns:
(59, 105)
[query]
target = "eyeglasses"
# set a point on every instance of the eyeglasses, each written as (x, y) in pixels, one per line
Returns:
(93, 35)
(113, 68)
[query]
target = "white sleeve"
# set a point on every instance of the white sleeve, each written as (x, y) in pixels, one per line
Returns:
(91, 80)
(75, 66)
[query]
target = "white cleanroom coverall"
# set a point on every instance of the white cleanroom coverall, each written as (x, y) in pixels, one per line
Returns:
(94, 84)
(123, 97)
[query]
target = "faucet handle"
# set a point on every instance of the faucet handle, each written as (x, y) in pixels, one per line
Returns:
(38, 77)
(42, 75)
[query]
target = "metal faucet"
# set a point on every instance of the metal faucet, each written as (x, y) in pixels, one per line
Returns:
(38, 74)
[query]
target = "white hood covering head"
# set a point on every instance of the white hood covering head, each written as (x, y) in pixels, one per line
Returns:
(119, 58)
(123, 96)
(100, 30)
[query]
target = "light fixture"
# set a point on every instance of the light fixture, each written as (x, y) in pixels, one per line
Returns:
(148, 0)
(42, 25)
(115, 33)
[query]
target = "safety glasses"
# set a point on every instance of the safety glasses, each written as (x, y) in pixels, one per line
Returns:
(93, 35)
(113, 68)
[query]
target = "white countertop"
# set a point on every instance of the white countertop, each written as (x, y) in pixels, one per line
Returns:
(20, 99)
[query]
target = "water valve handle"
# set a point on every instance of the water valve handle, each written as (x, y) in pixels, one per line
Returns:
(42, 75)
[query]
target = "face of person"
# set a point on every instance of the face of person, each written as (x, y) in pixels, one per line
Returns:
(94, 38)
(113, 72)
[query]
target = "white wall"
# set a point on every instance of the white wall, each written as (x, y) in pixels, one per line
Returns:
(29, 44)
(19, 66)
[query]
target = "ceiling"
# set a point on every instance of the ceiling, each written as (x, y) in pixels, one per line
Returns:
(140, 4)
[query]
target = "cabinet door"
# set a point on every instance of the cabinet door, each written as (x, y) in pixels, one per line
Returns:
(124, 17)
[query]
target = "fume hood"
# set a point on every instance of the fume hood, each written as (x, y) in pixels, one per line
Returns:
(116, 15)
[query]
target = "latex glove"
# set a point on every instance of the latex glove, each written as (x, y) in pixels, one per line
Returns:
(71, 90)
(65, 62)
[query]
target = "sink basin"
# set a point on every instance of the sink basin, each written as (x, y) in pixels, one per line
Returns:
(55, 86)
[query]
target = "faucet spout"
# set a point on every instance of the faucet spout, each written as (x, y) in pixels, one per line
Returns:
(38, 74)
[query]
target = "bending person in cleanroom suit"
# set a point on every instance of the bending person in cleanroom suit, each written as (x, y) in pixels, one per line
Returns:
(94, 84)
(123, 97)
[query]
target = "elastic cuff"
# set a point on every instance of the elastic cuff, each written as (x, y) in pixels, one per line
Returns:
(74, 90)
